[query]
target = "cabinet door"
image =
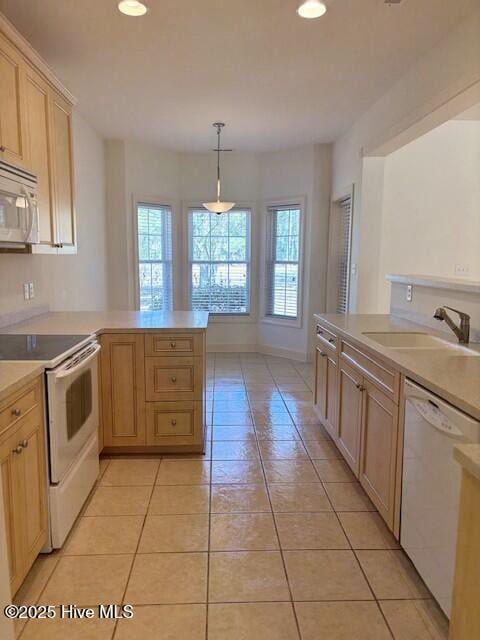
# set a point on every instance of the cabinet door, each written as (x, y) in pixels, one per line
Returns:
(320, 398)
(12, 505)
(349, 414)
(12, 105)
(378, 450)
(37, 98)
(33, 481)
(62, 163)
(331, 393)
(123, 390)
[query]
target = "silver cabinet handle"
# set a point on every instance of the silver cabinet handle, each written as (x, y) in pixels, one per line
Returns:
(174, 423)
(173, 379)
(18, 449)
(24, 444)
(16, 412)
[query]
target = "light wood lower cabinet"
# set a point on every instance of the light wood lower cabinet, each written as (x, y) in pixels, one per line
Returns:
(153, 401)
(378, 451)
(349, 415)
(122, 389)
(326, 390)
(24, 481)
(357, 399)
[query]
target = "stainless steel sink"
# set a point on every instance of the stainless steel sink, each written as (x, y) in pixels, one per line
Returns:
(397, 340)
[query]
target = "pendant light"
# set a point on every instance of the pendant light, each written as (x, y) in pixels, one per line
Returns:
(312, 9)
(219, 207)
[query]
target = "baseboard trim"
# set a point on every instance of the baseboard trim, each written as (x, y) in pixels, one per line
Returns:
(265, 349)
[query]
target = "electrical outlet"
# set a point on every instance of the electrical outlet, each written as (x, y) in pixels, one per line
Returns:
(31, 290)
(26, 291)
(462, 270)
(409, 293)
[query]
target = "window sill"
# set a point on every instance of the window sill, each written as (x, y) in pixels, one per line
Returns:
(283, 322)
(241, 318)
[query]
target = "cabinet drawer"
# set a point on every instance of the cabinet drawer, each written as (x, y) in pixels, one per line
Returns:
(164, 344)
(170, 378)
(174, 423)
(19, 405)
(326, 338)
(386, 378)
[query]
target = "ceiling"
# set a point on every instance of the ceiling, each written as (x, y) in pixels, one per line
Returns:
(277, 80)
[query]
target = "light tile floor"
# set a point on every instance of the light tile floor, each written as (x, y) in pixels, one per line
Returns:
(268, 536)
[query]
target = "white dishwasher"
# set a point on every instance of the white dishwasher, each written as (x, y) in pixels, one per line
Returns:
(431, 487)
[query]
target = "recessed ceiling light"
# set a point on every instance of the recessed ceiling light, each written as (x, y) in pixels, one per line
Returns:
(312, 9)
(132, 8)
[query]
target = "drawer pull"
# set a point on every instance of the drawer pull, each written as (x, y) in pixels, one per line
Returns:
(360, 387)
(16, 412)
(24, 444)
(331, 340)
(173, 379)
(319, 330)
(173, 345)
(18, 449)
(173, 423)
(324, 355)
(2, 149)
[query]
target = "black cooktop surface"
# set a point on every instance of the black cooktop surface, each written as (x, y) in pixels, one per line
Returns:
(36, 347)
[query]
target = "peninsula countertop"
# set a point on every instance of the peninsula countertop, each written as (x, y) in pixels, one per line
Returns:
(97, 322)
(454, 377)
(15, 374)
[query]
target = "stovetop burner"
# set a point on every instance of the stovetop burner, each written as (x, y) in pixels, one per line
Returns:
(36, 347)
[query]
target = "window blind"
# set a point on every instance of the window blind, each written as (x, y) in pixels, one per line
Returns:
(219, 261)
(155, 280)
(344, 252)
(283, 262)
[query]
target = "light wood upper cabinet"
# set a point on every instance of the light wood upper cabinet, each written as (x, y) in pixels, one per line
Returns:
(38, 121)
(379, 449)
(24, 480)
(349, 415)
(123, 389)
(62, 162)
(13, 147)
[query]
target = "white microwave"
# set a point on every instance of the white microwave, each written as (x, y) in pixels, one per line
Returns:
(18, 207)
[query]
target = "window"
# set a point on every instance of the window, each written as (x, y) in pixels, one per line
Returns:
(155, 282)
(219, 258)
(283, 261)
(344, 252)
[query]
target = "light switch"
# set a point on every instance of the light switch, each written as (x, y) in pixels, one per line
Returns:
(409, 293)
(31, 290)
(26, 291)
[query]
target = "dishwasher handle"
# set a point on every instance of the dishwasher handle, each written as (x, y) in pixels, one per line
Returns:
(434, 416)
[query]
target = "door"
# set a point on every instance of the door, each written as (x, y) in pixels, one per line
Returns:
(10, 463)
(331, 392)
(320, 383)
(12, 106)
(62, 160)
(33, 480)
(378, 450)
(349, 414)
(123, 390)
(37, 98)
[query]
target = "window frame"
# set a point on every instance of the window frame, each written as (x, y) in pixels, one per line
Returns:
(155, 202)
(298, 202)
(219, 318)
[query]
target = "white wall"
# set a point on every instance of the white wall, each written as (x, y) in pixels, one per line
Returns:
(68, 282)
(445, 79)
(142, 171)
(431, 206)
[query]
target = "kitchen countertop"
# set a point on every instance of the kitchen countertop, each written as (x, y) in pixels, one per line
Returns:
(90, 322)
(15, 374)
(454, 377)
(468, 455)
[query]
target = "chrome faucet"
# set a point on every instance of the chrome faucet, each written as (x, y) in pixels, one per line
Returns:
(463, 331)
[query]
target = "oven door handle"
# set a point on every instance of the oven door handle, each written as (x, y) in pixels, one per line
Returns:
(67, 372)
